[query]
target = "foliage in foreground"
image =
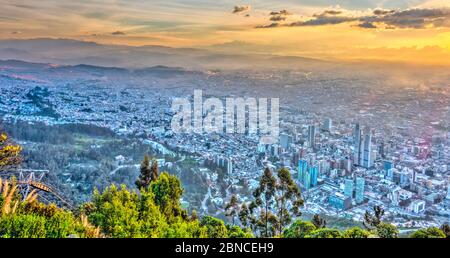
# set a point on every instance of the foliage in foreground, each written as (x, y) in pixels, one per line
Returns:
(155, 212)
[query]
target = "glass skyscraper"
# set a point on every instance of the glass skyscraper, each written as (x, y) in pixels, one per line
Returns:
(348, 189)
(359, 195)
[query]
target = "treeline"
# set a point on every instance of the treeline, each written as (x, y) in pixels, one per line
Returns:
(155, 212)
(56, 134)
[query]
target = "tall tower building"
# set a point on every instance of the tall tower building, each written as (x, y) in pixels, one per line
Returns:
(314, 173)
(365, 150)
(357, 144)
(327, 124)
(302, 167)
(307, 180)
(311, 135)
(359, 191)
(348, 188)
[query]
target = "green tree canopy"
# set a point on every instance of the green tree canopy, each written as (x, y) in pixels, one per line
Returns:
(215, 227)
(299, 229)
(356, 232)
(325, 233)
(432, 232)
(386, 230)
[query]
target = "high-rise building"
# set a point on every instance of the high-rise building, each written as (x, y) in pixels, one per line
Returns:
(387, 164)
(359, 192)
(365, 150)
(307, 180)
(314, 173)
(327, 124)
(311, 135)
(285, 141)
(348, 188)
(229, 166)
(357, 144)
(302, 167)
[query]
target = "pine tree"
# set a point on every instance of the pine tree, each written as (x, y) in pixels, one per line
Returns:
(145, 177)
(373, 221)
(318, 221)
(154, 171)
(244, 214)
(232, 208)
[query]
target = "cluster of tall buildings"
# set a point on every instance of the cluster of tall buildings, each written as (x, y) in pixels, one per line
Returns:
(307, 174)
(354, 189)
(364, 154)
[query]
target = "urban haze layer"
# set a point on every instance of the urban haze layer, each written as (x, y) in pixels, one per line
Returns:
(353, 136)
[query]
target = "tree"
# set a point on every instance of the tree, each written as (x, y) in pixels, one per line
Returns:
(264, 195)
(277, 200)
(145, 176)
(244, 213)
(432, 232)
(299, 229)
(356, 232)
(167, 192)
(232, 208)
(446, 229)
(325, 233)
(386, 230)
(318, 221)
(154, 171)
(121, 213)
(372, 221)
(215, 227)
(9, 153)
(288, 198)
(237, 232)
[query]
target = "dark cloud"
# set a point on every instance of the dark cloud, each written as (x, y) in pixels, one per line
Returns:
(272, 25)
(282, 12)
(324, 20)
(382, 12)
(278, 18)
(241, 8)
(118, 33)
(328, 13)
(16, 32)
(388, 19)
(367, 25)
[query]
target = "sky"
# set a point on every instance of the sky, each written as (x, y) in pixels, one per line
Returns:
(393, 30)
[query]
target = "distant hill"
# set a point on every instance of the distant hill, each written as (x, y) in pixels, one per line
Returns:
(73, 52)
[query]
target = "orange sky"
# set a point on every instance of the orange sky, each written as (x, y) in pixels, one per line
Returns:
(399, 36)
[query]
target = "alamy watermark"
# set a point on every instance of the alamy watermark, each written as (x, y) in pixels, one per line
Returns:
(238, 115)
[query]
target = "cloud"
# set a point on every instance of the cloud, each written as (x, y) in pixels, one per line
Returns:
(379, 18)
(324, 20)
(16, 32)
(382, 12)
(328, 13)
(282, 12)
(118, 33)
(278, 18)
(241, 8)
(367, 25)
(272, 25)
